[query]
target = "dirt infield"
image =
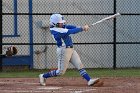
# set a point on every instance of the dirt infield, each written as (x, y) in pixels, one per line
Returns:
(69, 85)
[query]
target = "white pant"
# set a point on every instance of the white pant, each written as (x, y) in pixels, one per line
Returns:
(66, 55)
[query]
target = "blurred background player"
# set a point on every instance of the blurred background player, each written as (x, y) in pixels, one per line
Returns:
(65, 51)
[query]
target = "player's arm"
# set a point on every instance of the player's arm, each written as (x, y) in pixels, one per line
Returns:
(78, 29)
(70, 26)
(75, 30)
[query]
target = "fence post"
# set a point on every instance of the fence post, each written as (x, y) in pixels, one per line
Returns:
(0, 34)
(31, 33)
(114, 38)
(15, 18)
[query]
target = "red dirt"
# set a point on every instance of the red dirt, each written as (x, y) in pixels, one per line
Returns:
(69, 85)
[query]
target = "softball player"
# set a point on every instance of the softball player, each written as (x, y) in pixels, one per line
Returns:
(65, 51)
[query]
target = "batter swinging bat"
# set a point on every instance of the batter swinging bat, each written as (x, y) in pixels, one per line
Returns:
(107, 18)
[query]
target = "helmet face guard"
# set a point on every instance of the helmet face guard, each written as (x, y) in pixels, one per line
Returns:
(56, 18)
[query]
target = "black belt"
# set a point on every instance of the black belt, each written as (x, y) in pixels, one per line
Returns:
(69, 46)
(66, 46)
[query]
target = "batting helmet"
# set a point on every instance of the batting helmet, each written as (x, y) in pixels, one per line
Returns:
(56, 18)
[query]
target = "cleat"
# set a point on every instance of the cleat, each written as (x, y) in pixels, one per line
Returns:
(93, 81)
(42, 80)
(99, 84)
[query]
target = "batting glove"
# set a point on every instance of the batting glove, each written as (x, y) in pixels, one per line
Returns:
(85, 28)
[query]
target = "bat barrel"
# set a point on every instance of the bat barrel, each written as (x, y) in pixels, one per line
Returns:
(107, 18)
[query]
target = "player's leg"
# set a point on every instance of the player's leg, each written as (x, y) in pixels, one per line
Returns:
(63, 55)
(64, 60)
(75, 60)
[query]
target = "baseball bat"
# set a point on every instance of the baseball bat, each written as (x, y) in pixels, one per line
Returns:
(106, 18)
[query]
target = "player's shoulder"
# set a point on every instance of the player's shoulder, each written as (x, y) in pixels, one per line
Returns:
(58, 30)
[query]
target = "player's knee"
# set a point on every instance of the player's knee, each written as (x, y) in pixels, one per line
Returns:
(60, 72)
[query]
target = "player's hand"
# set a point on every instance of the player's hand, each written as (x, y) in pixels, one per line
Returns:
(85, 28)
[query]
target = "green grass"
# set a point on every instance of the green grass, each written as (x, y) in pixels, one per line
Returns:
(115, 73)
(108, 73)
(75, 73)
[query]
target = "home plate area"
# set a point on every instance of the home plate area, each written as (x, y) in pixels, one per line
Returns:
(69, 85)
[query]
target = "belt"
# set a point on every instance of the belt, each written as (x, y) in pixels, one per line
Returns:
(69, 46)
(66, 46)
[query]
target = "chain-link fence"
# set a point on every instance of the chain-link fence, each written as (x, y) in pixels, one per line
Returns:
(111, 44)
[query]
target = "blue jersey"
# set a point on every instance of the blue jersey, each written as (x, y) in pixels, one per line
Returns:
(63, 34)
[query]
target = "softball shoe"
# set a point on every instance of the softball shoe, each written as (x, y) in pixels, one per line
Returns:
(42, 80)
(93, 81)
